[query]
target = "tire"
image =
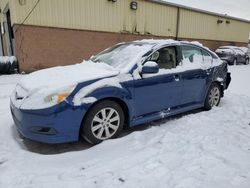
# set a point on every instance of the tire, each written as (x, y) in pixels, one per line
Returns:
(13, 69)
(213, 96)
(235, 62)
(2, 66)
(100, 125)
(247, 62)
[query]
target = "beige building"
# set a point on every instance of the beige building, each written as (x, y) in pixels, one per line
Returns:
(45, 33)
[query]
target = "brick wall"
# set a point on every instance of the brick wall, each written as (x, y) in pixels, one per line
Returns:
(42, 47)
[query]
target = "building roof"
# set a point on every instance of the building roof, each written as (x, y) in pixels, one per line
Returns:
(198, 10)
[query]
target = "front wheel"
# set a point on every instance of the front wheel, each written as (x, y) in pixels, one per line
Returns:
(235, 62)
(213, 97)
(104, 121)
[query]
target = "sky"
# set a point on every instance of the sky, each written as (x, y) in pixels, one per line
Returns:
(235, 8)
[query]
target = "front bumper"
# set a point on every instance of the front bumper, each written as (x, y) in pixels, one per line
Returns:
(59, 124)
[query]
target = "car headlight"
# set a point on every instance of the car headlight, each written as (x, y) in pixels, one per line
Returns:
(60, 96)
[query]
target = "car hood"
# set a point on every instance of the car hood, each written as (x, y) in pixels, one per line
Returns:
(61, 76)
(33, 88)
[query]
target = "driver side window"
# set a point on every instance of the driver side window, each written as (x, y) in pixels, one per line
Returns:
(165, 57)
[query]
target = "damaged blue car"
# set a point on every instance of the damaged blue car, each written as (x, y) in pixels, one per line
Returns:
(128, 84)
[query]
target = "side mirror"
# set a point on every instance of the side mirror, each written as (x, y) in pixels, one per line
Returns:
(150, 67)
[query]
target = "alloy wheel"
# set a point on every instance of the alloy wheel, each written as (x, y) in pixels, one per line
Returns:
(105, 123)
(247, 61)
(214, 97)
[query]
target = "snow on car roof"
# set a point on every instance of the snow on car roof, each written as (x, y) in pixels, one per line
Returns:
(166, 41)
(160, 42)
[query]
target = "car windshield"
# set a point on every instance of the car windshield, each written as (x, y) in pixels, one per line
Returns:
(124, 55)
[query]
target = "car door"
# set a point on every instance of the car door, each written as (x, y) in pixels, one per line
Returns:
(195, 79)
(160, 91)
(240, 55)
(237, 55)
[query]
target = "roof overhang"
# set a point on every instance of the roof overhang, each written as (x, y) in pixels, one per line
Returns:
(198, 10)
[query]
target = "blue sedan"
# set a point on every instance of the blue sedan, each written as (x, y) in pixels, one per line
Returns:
(128, 84)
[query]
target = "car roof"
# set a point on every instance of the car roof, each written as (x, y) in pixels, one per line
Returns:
(162, 42)
(233, 47)
(228, 47)
(154, 42)
(165, 41)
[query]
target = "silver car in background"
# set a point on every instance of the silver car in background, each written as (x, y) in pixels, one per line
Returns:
(233, 55)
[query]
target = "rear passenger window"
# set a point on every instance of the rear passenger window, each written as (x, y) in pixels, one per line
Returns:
(196, 55)
(207, 58)
(240, 52)
(191, 53)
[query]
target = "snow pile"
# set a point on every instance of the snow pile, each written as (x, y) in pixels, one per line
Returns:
(7, 59)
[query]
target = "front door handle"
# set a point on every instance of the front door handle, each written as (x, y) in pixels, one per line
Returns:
(177, 78)
(209, 71)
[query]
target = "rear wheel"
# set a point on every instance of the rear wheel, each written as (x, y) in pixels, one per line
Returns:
(247, 62)
(104, 121)
(213, 96)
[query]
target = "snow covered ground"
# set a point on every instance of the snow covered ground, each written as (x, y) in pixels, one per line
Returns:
(197, 149)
